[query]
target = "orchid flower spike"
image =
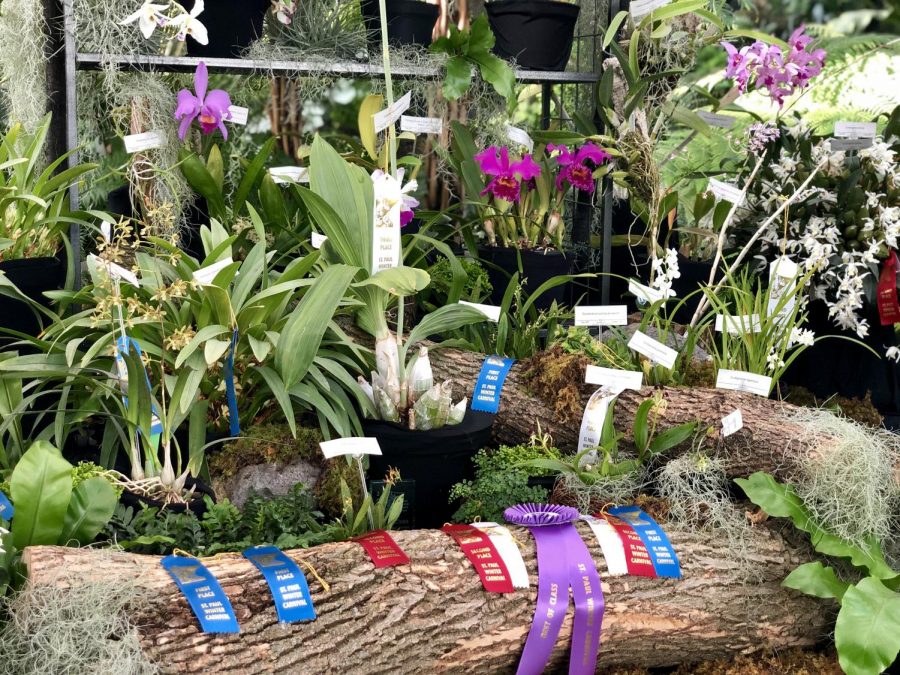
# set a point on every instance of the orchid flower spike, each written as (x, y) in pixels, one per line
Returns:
(150, 16)
(209, 108)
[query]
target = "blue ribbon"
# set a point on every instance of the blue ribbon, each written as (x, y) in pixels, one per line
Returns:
(6, 507)
(124, 345)
(202, 590)
(286, 582)
(662, 555)
(230, 393)
(490, 384)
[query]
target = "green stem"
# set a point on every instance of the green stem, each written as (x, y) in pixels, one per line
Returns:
(388, 86)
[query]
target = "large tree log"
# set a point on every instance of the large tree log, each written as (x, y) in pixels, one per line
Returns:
(768, 442)
(433, 616)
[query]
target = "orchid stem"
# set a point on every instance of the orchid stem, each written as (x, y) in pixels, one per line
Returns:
(388, 86)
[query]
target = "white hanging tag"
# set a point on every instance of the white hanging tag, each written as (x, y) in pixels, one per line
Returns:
(115, 271)
(206, 275)
(641, 8)
(317, 239)
(645, 293)
(614, 379)
(289, 174)
(492, 312)
(726, 192)
(421, 125)
(654, 350)
(716, 120)
(350, 446)
(506, 546)
(732, 423)
(149, 140)
(844, 129)
(520, 137)
(738, 380)
(391, 114)
(601, 315)
(783, 273)
(239, 115)
(739, 324)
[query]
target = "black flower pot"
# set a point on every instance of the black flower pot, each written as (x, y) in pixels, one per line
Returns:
(435, 460)
(410, 22)
(197, 504)
(33, 277)
(537, 267)
(232, 25)
(538, 34)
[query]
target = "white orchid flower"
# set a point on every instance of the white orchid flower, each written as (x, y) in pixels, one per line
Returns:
(188, 24)
(149, 17)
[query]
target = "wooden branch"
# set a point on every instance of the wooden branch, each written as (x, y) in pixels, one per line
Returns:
(433, 616)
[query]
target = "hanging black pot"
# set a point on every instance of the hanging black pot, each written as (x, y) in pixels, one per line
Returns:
(232, 25)
(538, 34)
(197, 504)
(33, 277)
(435, 460)
(410, 22)
(537, 267)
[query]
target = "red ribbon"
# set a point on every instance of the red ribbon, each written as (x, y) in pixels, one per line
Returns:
(480, 551)
(382, 549)
(888, 308)
(637, 558)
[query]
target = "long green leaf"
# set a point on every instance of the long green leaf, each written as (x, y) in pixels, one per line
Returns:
(41, 486)
(867, 631)
(90, 508)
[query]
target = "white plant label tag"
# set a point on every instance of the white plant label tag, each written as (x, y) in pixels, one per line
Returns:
(387, 250)
(613, 379)
(149, 140)
(644, 293)
(389, 116)
(726, 192)
(847, 144)
(492, 312)
(519, 136)
(610, 545)
(350, 446)
(783, 273)
(206, 275)
(732, 423)
(421, 125)
(601, 315)
(844, 129)
(716, 120)
(116, 272)
(739, 324)
(641, 8)
(738, 380)
(592, 422)
(283, 175)
(317, 239)
(506, 546)
(239, 115)
(654, 350)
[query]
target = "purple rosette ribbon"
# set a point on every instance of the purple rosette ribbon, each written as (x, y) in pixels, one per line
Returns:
(563, 561)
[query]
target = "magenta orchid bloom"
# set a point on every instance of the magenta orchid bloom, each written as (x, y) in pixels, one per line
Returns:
(209, 108)
(574, 168)
(507, 176)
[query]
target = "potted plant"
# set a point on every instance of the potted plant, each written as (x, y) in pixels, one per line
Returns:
(34, 223)
(538, 34)
(409, 22)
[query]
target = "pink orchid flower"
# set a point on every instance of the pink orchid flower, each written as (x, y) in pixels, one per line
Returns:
(210, 109)
(507, 176)
(575, 169)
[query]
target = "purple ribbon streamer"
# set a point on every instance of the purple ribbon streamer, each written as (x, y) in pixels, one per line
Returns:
(589, 605)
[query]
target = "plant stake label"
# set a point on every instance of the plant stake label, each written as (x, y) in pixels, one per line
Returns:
(738, 380)
(644, 294)
(382, 549)
(716, 120)
(613, 379)
(202, 590)
(637, 558)
(6, 507)
(480, 551)
(287, 583)
(888, 308)
(519, 137)
(149, 140)
(610, 544)
(206, 275)
(508, 550)
(389, 116)
(726, 192)
(592, 421)
(115, 272)
(665, 562)
(652, 349)
(283, 175)
(350, 446)
(238, 115)
(601, 315)
(783, 273)
(492, 312)
(844, 129)
(494, 370)
(739, 324)
(732, 423)
(848, 144)
(641, 8)
(317, 240)
(422, 125)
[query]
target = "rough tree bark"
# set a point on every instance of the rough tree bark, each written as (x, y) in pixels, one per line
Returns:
(432, 615)
(766, 443)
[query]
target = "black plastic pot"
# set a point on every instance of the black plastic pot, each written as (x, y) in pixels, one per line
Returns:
(538, 34)
(537, 267)
(410, 22)
(435, 460)
(197, 505)
(232, 25)
(33, 277)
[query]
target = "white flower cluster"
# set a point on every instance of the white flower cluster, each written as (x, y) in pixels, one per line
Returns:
(151, 16)
(665, 271)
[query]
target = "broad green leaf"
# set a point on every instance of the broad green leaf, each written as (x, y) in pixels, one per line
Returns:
(40, 487)
(371, 104)
(216, 166)
(202, 335)
(213, 350)
(90, 508)
(668, 439)
(867, 631)
(199, 178)
(817, 580)
(457, 77)
(613, 28)
(497, 72)
(443, 320)
(400, 281)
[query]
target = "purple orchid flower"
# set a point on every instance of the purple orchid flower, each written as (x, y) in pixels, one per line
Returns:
(575, 169)
(508, 177)
(209, 108)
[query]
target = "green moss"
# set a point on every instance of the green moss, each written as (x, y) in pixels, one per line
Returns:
(86, 470)
(858, 410)
(265, 444)
(328, 489)
(557, 376)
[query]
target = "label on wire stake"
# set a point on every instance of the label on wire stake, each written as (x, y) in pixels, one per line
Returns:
(421, 125)
(239, 115)
(149, 140)
(601, 315)
(391, 114)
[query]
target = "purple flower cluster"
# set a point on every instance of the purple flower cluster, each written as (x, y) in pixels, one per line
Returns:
(507, 177)
(574, 167)
(765, 66)
(761, 134)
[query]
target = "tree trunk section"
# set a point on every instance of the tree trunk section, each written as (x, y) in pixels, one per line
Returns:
(432, 616)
